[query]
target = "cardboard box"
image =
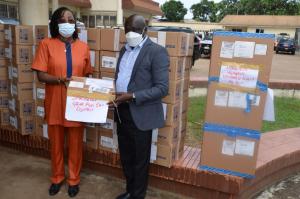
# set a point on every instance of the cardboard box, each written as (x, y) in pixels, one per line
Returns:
(25, 125)
(95, 60)
(4, 62)
(22, 108)
(22, 35)
(40, 32)
(174, 93)
(4, 117)
(241, 61)
(22, 73)
(21, 91)
(184, 105)
(186, 86)
(2, 50)
(168, 135)
(22, 54)
(39, 91)
(166, 155)
(176, 43)
(2, 33)
(41, 127)
(40, 108)
(4, 85)
(4, 99)
(92, 136)
(94, 38)
(176, 68)
(180, 147)
(106, 75)
(112, 39)
(108, 61)
(96, 75)
(3, 72)
(172, 113)
(108, 140)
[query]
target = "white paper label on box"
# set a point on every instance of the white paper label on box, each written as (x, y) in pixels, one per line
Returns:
(13, 121)
(45, 131)
(261, 49)
(92, 57)
(154, 39)
(154, 135)
(227, 49)
(221, 98)
(12, 104)
(40, 93)
(8, 35)
(165, 110)
(75, 84)
(10, 72)
(86, 110)
(107, 142)
(14, 72)
(99, 83)
(109, 124)
(255, 99)
(153, 152)
(83, 35)
(228, 147)
(108, 78)
(244, 49)
(33, 51)
(237, 99)
(269, 112)
(239, 76)
(117, 39)
(108, 62)
(161, 39)
(244, 147)
(14, 90)
(40, 111)
(8, 53)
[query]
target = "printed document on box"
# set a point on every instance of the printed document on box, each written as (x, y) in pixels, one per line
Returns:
(237, 99)
(221, 98)
(244, 147)
(261, 49)
(227, 49)
(244, 49)
(228, 147)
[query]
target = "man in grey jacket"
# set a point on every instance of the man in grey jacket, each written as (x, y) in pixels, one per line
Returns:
(142, 80)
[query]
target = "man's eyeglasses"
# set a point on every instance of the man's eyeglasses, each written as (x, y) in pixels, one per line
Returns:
(72, 21)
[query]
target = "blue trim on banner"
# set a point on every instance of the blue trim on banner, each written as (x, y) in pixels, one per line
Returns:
(231, 131)
(262, 86)
(228, 172)
(244, 34)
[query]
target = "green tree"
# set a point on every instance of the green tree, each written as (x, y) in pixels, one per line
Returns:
(174, 10)
(204, 11)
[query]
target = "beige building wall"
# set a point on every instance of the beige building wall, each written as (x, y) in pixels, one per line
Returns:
(34, 12)
(290, 31)
(110, 6)
(196, 26)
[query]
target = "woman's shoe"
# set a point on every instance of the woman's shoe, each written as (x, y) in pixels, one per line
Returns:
(54, 189)
(73, 190)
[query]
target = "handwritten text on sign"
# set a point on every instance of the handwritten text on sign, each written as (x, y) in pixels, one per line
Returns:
(238, 76)
(86, 110)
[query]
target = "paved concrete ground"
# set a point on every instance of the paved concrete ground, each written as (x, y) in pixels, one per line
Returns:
(284, 67)
(27, 177)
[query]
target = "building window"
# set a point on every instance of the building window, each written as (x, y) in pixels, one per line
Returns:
(92, 21)
(237, 30)
(106, 21)
(99, 21)
(3, 10)
(85, 20)
(259, 30)
(12, 12)
(113, 20)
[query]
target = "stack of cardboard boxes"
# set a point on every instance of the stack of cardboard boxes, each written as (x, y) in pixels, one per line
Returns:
(170, 142)
(4, 82)
(19, 51)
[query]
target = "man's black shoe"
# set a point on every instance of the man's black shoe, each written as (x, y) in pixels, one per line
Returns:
(73, 190)
(125, 195)
(54, 189)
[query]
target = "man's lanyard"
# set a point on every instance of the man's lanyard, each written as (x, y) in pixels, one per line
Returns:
(69, 59)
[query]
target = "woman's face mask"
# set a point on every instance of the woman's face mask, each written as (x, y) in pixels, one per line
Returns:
(66, 29)
(133, 39)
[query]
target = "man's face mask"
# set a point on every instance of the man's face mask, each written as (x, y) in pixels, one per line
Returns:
(133, 39)
(66, 29)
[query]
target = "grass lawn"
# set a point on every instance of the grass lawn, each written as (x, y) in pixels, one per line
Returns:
(287, 115)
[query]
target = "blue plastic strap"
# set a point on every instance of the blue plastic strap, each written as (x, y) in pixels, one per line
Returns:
(228, 172)
(262, 86)
(69, 59)
(244, 34)
(231, 131)
(248, 101)
(213, 79)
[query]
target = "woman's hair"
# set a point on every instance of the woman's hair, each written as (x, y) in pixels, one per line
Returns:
(59, 13)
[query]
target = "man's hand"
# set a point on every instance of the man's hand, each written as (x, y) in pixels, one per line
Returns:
(123, 97)
(66, 81)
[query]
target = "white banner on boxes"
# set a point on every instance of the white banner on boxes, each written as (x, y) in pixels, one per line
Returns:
(86, 110)
(239, 76)
(244, 49)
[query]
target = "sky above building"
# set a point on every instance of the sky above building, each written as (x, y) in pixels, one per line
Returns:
(187, 4)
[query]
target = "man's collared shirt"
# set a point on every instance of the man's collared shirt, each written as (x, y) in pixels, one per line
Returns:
(126, 66)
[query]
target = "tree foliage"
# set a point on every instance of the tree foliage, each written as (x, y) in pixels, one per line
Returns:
(209, 11)
(174, 10)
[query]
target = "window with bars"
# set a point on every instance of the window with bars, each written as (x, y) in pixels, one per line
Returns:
(99, 20)
(9, 11)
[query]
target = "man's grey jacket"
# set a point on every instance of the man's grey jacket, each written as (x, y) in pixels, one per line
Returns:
(150, 83)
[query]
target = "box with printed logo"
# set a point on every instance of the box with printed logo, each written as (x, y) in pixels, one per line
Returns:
(94, 38)
(4, 85)
(24, 125)
(92, 134)
(4, 99)
(171, 112)
(165, 154)
(21, 91)
(40, 32)
(21, 73)
(4, 117)
(168, 135)
(174, 93)
(22, 54)
(22, 108)
(108, 61)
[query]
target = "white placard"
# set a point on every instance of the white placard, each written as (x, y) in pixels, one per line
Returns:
(261, 49)
(109, 124)
(154, 135)
(108, 62)
(83, 35)
(244, 49)
(239, 76)
(75, 84)
(40, 111)
(244, 147)
(14, 72)
(45, 131)
(221, 98)
(228, 147)
(237, 99)
(153, 152)
(269, 112)
(165, 110)
(86, 110)
(92, 57)
(107, 142)
(40, 93)
(227, 49)
(100, 83)
(255, 99)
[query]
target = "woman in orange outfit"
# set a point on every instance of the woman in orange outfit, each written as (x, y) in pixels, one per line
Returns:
(58, 59)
